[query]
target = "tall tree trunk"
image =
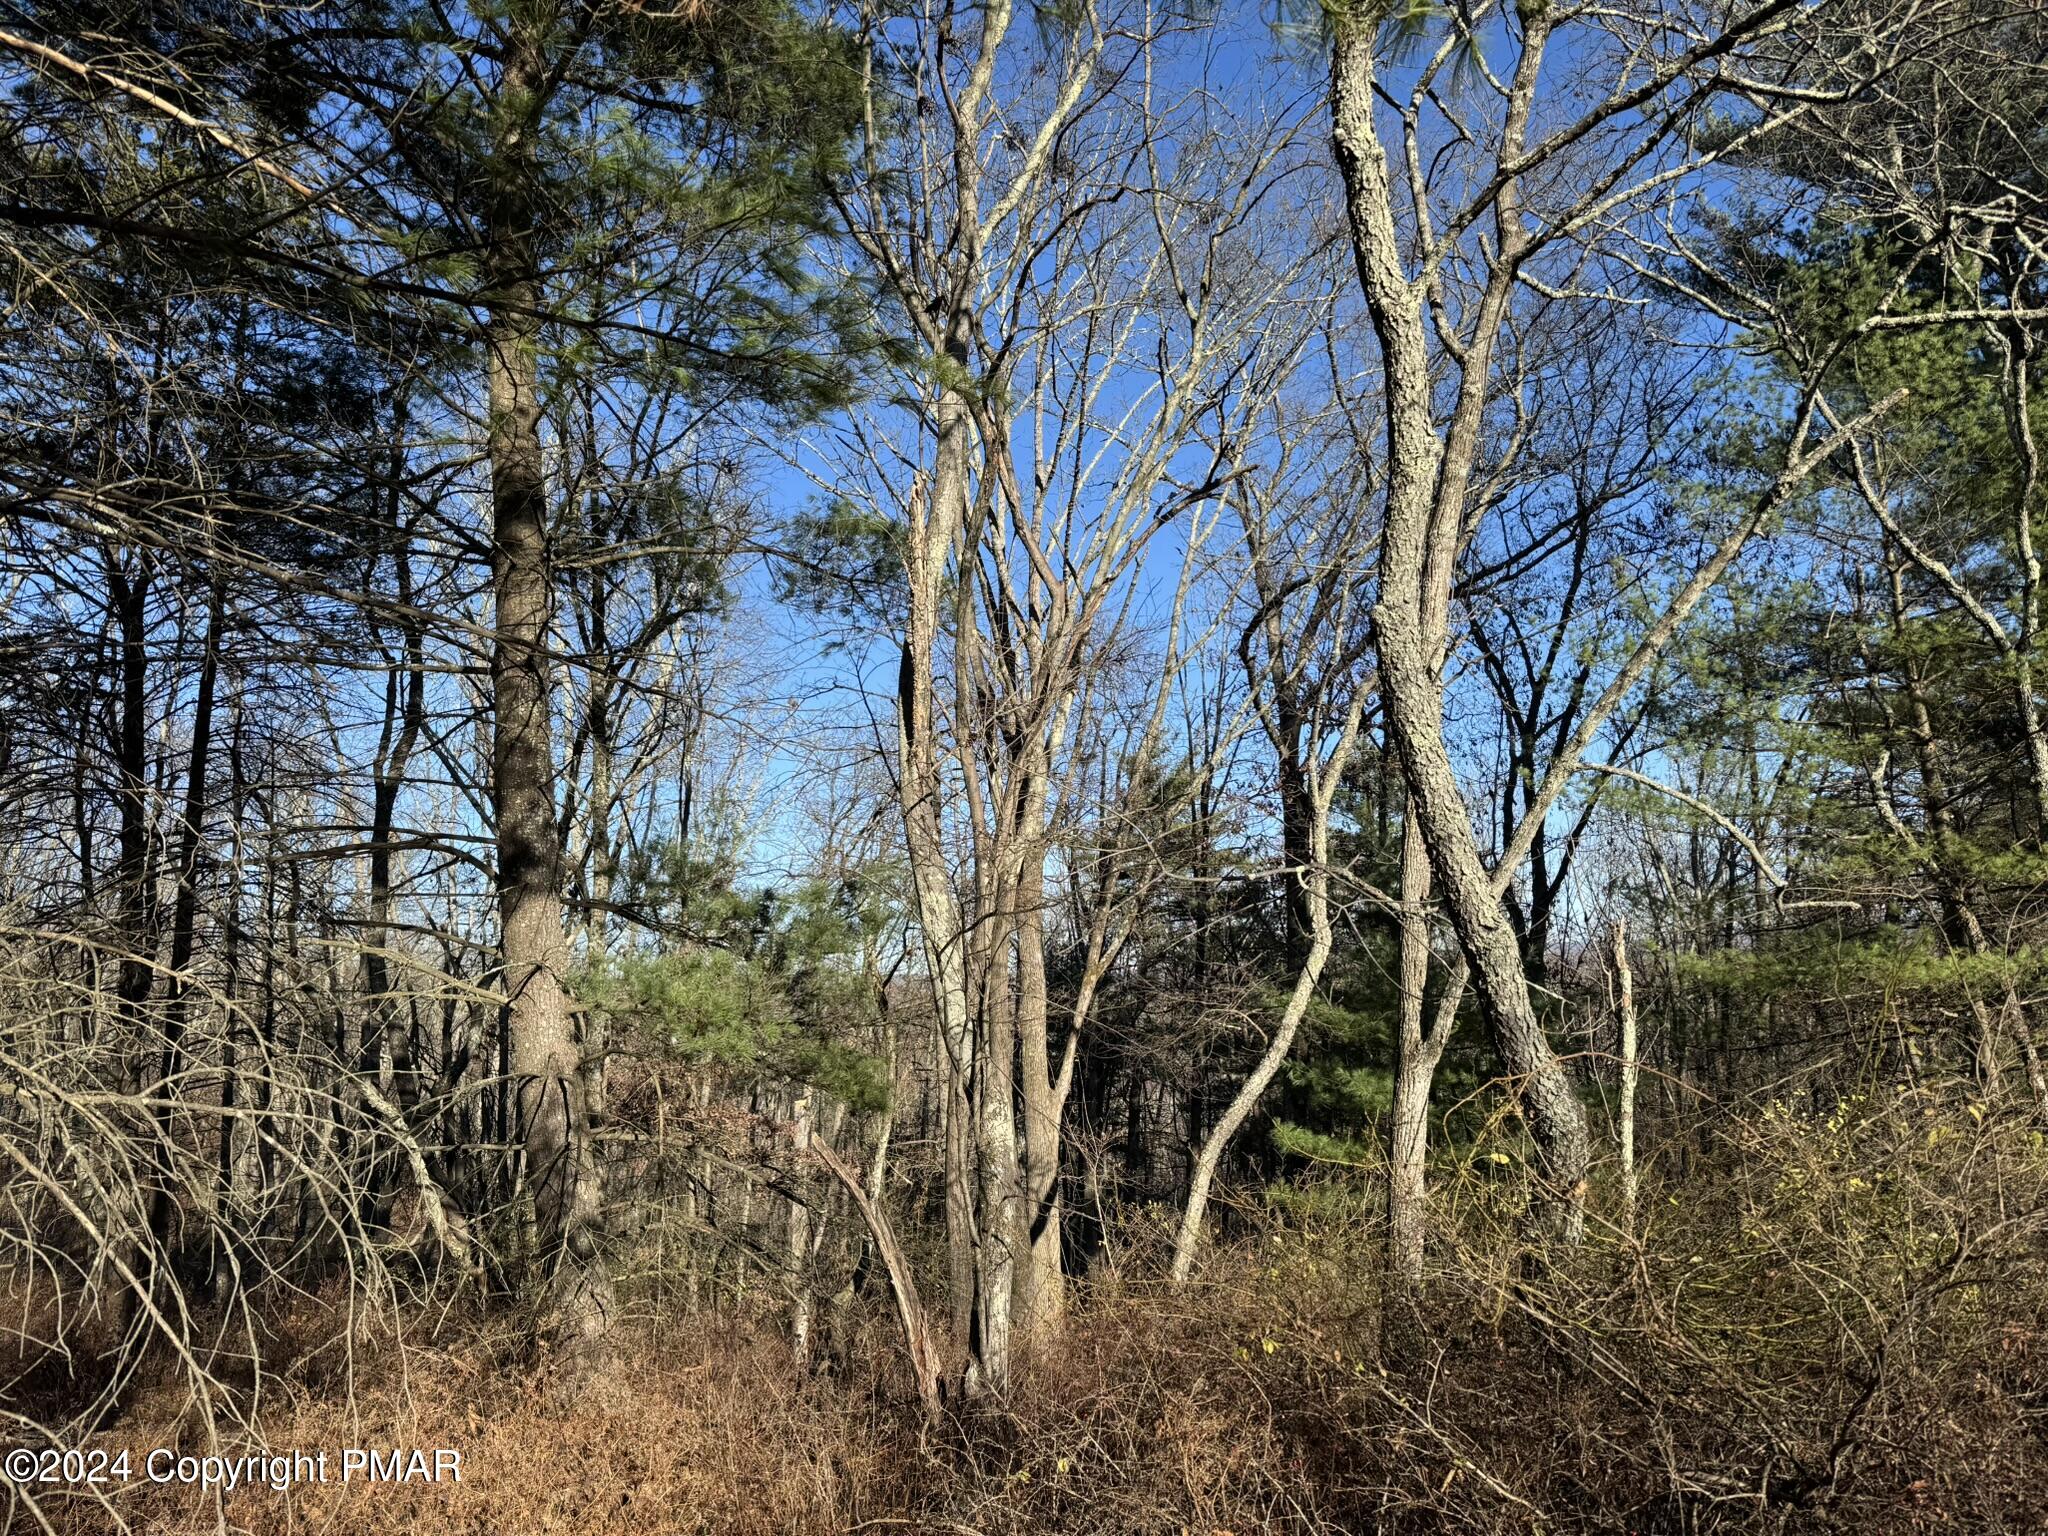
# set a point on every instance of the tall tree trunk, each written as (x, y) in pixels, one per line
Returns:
(185, 905)
(134, 870)
(1413, 698)
(603, 872)
(541, 1021)
(959, 1197)
(1000, 1227)
(981, 1184)
(389, 1041)
(799, 1245)
(1426, 484)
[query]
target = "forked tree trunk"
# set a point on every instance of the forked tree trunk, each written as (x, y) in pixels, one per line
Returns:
(1556, 1120)
(981, 1173)
(1426, 476)
(1416, 1052)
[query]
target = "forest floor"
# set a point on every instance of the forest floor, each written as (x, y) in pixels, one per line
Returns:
(1796, 1347)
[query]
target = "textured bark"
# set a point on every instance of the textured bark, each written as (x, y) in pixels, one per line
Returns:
(1426, 480)
(541, 1021)
(1555, 1118)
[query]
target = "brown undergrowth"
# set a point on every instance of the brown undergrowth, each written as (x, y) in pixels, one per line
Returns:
(1836, 1324)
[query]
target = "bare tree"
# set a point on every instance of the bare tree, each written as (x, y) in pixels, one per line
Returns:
(1545, 185)
(1024, 496)
(1301, 650)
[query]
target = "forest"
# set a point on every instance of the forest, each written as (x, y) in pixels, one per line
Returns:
(992, 767)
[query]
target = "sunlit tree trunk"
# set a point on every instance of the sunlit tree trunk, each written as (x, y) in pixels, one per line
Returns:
(1417, 1053)
(1427, 476)
(1042, 1287)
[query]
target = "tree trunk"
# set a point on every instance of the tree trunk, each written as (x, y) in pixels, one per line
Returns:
(917, 1338)
(1413, 700)
(959, 1198)
(1001, 1212)
(1415, 1063)
(1426, 478)
(1203, 1175)
(388, 1046)
(981, 1181)
(1042, 1287)
(135, 873)
(1314, 876)
(1625, 1004)
(540, 1017)
(800, 1305)
(185, 913)
(1296, 813)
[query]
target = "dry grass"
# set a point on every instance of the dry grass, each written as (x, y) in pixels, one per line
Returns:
(1836, 1325)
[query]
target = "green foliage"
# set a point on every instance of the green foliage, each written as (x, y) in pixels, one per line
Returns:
(781, 989)
(1401, 28)
(841, 560)
(1333, 1097)
(1339, 1085)
(707, 1004)
(1887, 961)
